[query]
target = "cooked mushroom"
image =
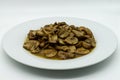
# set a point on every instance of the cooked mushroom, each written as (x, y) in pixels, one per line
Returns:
(65, 55)
(86, 45)
(79, 44)
(61, 41)
(82, 51)
(63, 48)
(53, 38)
(32, 35)
(71, 40)
(72, 49)
(88, 31)
(78, 33)
(91, 41)
(49, 52)
(40, 33)
(32, 45)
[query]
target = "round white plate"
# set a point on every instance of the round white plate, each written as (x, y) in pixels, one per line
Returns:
(14, 39)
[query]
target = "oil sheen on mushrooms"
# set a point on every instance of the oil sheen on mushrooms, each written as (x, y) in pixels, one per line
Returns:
(60, 41)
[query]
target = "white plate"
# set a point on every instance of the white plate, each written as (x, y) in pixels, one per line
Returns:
(14, 39)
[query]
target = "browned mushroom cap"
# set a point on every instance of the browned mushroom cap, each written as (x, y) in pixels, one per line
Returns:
(71, 40)
(49, 52)
(32, 45)
(86, 45)
(53, 38)
(82, 51)
(78, 33)
(32, 34)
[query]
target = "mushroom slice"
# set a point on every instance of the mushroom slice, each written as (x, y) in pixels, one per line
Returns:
(49, 52)
(65, 55)
(91, 41)
(78, 33)
(82, 51)
(53, 38)
(40, 32)
(42, 43)
(71, 40)
(79, 44)
(61, 41)
(86, 45)
(72, 49)
(32, 34)
(32, 45)
(88, 31)
(64, 34)
(63, 48)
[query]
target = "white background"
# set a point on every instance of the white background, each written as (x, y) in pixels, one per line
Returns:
(13, 12)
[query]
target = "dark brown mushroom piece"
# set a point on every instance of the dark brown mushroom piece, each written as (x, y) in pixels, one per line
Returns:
(32, 35)
(32, 46)
(40, 33)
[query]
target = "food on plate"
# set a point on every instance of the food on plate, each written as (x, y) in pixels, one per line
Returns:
(60, 41)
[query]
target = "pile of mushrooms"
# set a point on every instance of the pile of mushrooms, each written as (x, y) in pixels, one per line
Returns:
(60, 41)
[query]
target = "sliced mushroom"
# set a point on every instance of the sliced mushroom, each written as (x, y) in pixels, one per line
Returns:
(40, 33)
(71, 40)
(64, 34)
(61, 41)
(79, 44)
(49, 52)
(86, 45)
(65, 55)
(32, 45)
(72, 49)
(82, 51)
(32, 35)
(78, 33)
(42, 44)
(53, 38)
(63, 48)
(88, 31)
(61, 54)
(91, 41)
